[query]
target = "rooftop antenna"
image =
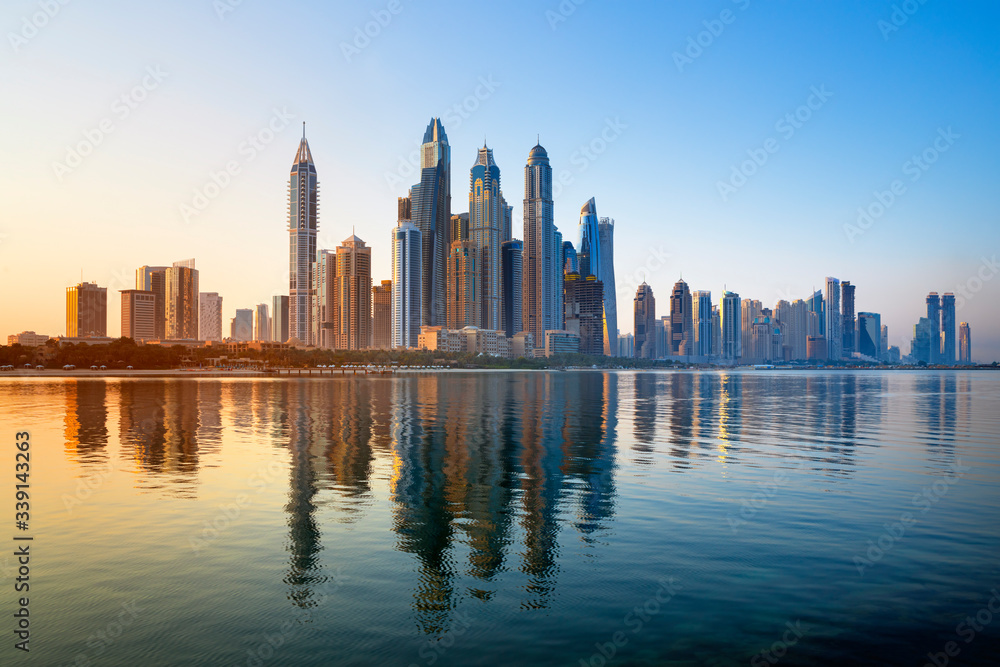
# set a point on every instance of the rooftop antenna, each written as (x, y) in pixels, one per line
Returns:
(303, 129)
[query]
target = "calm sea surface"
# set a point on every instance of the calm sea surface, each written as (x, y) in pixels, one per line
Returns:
(494, 518)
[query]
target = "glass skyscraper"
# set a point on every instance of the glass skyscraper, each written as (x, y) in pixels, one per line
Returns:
(870, 335)
(486, 212)
(303, 222)
(588, 243)
(606, 235)
(430, 203)
(934, 318)
(512, 257)
(948, 328)
(407, 284)
(834, 329)
(542, 280)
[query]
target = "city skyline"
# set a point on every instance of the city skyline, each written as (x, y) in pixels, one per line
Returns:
(795, 213)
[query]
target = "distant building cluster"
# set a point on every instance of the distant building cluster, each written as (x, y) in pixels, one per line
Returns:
(460, 282)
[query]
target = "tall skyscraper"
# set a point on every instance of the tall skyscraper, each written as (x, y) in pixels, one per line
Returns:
(584, 307)
(542, 266)
(154, 279)
(606, 237)
(382, 316)
(834, 328)
(352, 317)
(588, 242)
(465, 281)
(138, 314)
(681, 321)
(303, 223)
(816, 306)
(870, 335)
(964, 343)
(847, 324)
(261, 323)
(210, 316)
(182, 301)
(716, 341)
(279, 318)
(701, 321)
(732, 328)
(512, 271)
(484, 229)
(934, 319)
(431, 213)
(241, 326)
(86, 310)
(645, 322)
(884, 352)
(407, 284)
(948, 328)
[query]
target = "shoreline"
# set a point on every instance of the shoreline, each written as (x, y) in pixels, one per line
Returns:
(321, 373)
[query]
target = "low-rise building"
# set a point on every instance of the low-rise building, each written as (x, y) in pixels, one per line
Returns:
(27, 339)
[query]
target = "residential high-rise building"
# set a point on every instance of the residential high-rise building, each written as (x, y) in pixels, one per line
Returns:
(182, 301)
(681, 334)
(883, 354)
(154, 279)
(352, 316)
(210, 316)
(750, 310)
(716, 341)
(831, 314)
(795, 318)
(464, 284)
(382, 316)
(948, 328)
(557, 280)
(138, 314)
(584, 305)
(512, 270)
(279, 318)
(303, 223)
(484, 230)
(543, 264)
(606, 237)
(431, 213)
(849, 335)
(870, 335)
(921, 347)
(816, 348)
(241, 326)
(506, 220)
(324, 299)
(86, 310)
(701, 322)
(818, 309)
(964, 343)
(626, 346)
(645, 322)
(459, 228)
(261, 323)
(732, 328)
(934, 322)
(407, 285)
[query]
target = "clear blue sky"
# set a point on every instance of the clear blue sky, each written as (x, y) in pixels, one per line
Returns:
(680, 131)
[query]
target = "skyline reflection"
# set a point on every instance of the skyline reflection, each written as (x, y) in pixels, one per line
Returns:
(485, 472)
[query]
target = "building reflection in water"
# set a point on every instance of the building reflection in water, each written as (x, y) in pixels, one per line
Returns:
(86, 421)
(489, 473)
